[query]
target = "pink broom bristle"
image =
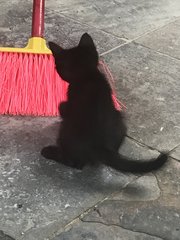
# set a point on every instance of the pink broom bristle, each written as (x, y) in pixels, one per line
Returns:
(30, 85)
(104, 68)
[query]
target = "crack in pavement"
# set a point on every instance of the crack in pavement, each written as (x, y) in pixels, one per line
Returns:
(119, 226)
(154, 149)
(94, 207)
(161, 191)
(144, 145)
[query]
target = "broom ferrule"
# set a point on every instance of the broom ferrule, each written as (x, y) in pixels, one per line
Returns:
(38, 45)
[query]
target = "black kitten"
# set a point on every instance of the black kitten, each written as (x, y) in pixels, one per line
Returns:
(92, 130)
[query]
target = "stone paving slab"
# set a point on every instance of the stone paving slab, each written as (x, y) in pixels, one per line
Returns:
(15, 28)
(158, 216)
(165, 40)
(147, 190)
(98, 231)
(148, 84)
(128, 19)
(68, 32)
(176, 153)
(37, 196)
(64, 5)
(3, 236)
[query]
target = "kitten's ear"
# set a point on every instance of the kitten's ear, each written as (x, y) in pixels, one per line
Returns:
(86, 41)
(56, 49)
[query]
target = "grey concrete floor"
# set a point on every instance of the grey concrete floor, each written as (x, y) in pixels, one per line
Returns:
(39, 199)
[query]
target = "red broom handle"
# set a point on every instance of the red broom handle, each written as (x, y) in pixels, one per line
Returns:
(38, 18)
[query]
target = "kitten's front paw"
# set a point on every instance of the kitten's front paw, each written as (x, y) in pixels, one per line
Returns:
(78, 166)
(50, 152)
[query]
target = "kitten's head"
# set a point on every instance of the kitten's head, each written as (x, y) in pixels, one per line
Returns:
(76, 63)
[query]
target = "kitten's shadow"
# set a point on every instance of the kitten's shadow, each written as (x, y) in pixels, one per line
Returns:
(88, 180)
(97, 178)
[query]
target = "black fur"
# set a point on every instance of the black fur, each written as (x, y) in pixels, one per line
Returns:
(92, 129)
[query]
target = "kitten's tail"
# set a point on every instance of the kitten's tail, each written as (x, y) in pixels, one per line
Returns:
(121, 163)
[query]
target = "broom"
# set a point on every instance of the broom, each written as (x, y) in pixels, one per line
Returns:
(29, 83)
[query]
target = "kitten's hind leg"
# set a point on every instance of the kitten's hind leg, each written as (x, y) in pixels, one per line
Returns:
(51, 152)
